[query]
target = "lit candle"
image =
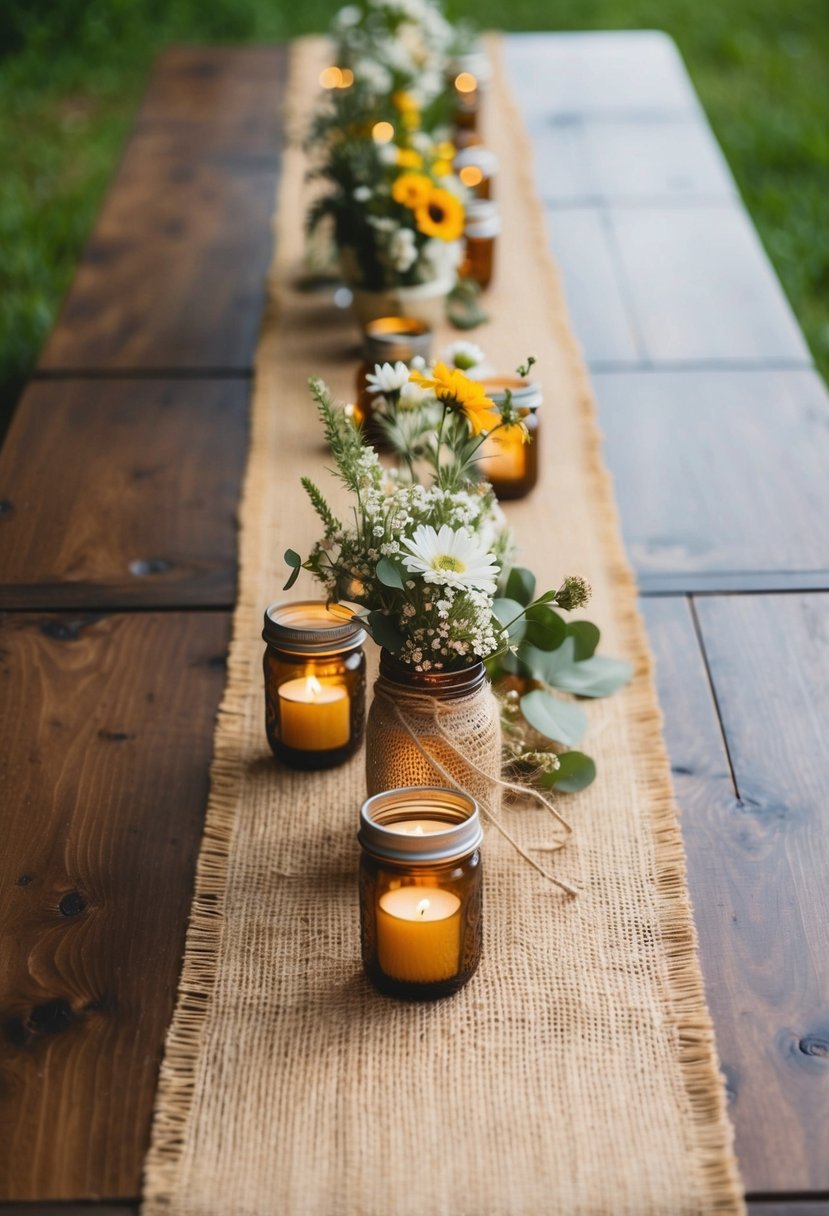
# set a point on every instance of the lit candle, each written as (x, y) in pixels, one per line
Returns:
(504, 455)
(313, 716)
(419, 934)
(417, 827)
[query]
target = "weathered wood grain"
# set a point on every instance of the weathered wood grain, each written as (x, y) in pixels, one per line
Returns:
(758, 855)
(174, 274)
(105, 740)
(226, 98)
(720, 472)
(582, 246)
(702, 287)
(122, 493)
(630, 73)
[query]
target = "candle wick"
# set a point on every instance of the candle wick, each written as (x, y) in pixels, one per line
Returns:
(422, 908)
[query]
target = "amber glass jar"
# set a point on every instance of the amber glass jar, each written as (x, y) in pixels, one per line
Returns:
(387, 340)
(481, 229)
(477, 167)
(509, 463)
(315, 683)
(420, 891)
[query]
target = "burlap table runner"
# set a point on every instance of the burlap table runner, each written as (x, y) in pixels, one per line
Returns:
(576, 1073)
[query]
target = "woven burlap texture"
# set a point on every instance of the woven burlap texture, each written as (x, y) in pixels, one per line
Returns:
(576, 1074)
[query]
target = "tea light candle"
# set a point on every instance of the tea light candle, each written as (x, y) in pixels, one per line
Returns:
(504, 455)
(417, 827)
(313, 716)
(419, 934)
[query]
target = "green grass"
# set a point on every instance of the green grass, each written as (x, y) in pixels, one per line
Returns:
(73, 72)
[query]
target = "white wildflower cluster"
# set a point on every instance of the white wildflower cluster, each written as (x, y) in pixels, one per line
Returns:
(389, 45)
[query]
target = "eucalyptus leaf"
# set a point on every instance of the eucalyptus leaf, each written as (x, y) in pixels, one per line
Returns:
(545, 628)
(506, 611)
(520, 585)
(389, 574)
(384, 632)
(558, 720)
(292, 559)
(545, 665)
(575, 772)
(587, 637)
(596, 677)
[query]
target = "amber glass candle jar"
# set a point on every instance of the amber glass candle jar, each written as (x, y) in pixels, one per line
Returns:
(477, 167)
(469, 76)
(315, 683)
(481, 229)
(510, 463)
(387, 340)
(420, 891)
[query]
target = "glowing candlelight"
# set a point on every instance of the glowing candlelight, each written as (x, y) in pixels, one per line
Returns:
(418, 935)
(313, 716)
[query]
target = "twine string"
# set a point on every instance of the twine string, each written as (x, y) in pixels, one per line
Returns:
(429, 707)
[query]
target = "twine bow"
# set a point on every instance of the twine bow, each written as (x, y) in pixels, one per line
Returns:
(399, 701)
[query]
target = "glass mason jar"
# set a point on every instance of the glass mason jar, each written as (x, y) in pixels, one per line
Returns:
(315, 683)
(420, 891)
(387, 340)
(509, 463)
(481, 228)
(436, 728)
(477, 167)
(469, 75)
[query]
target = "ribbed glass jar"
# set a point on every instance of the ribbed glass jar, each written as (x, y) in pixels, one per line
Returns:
(315, 683)
(420, 891)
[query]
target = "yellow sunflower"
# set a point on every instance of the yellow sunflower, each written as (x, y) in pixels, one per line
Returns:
(411, 189)
(442, 168)
(440, 215)
(445, 150)
(407, 158)
(460, 394)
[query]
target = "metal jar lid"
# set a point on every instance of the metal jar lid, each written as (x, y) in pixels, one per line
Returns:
(479, 157)
(461, 835)
(525, 394)
(310, 627)
(389, 339)
(483, 219)
(476, 62)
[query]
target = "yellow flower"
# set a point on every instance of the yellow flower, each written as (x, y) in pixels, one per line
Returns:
(445, 150)
(411, 189)
(407, 158)
(460, 394)
(442, 168)
(440, 215)
(401, 100)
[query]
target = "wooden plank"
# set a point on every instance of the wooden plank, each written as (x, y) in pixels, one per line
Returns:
(629, 73)
(591, 162)
(789, 1207)
(122, 493)
(701, 286)
(174, 274)
(104, 751)
(227, 97)
(757, 859)
(581, 244)
(720, 473)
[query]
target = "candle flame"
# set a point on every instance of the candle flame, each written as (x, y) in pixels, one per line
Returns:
(313, 686)
(422, 908)
(382, 132)
(465, 82)
(416, 831)
(471, 176)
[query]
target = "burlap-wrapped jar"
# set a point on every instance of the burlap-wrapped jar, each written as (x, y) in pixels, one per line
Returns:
(434, 728)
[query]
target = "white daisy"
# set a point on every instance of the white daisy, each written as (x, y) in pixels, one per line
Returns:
(463, 355)
(402, 249)
(387, 378)
(450, 559)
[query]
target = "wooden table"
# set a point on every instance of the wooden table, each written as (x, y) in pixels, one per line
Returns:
(119, 481)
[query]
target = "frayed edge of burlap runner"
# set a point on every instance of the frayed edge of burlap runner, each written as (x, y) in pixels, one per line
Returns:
(688, 1009)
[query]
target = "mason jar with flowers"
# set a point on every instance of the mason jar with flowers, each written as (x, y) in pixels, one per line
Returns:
(395, 206)
(420, 560)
